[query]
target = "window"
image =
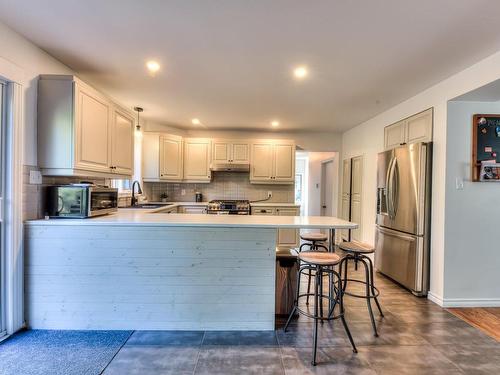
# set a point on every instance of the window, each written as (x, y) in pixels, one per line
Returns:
(124, 185)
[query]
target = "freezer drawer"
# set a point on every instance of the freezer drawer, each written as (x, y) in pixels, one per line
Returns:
(403, 258)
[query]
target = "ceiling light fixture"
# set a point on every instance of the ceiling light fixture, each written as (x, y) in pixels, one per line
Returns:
(196, 121)
(300, 72)
(275, 124)
(138, 125)
(152, 66)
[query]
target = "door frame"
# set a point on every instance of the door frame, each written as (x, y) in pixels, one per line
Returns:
(13, 208)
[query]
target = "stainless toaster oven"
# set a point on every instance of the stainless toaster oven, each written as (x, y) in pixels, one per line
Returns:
(80, 201)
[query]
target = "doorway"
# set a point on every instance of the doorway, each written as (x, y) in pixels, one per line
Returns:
(352, 176)
(327, 191)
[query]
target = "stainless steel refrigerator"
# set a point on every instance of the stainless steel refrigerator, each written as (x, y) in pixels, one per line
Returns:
(403, 215)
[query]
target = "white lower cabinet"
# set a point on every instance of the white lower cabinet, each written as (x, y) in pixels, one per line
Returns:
(285, 238)
(192, 209)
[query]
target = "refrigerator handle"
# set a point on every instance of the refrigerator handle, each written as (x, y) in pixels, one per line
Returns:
(388, 184)
(395, 184)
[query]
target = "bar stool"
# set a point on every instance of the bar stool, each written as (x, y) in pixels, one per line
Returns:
(314, 242)
(322, 263)
(357, 251)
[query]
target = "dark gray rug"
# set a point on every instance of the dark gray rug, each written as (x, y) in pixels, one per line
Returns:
(60, 352)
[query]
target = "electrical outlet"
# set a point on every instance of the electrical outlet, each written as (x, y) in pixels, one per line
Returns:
(269, 194)
(183, 192)
(35, 177)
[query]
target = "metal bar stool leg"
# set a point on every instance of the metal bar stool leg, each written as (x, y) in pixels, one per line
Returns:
(295, 303)
(308, 286)
(372, 283)
(368, 294)
(316, 307)
(344, 323)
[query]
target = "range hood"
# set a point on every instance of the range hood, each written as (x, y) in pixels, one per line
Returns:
(230, 167)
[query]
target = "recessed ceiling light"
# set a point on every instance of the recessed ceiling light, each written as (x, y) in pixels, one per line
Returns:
(300, 72)
(275, 124)
(196, 121)
(152, 66)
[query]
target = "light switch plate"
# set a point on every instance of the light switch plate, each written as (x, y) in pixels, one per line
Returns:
(459, 183)
(35, 177)
(183, 192)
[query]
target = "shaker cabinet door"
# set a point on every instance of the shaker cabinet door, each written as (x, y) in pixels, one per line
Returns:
(197, 160)
(261, 168)
(122, 149)
(284, 162)
(171, 158)
(92, 135)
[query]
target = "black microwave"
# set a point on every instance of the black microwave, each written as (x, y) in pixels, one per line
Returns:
(80, 201)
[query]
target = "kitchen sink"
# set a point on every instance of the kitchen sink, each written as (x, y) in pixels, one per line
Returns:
(150, 205)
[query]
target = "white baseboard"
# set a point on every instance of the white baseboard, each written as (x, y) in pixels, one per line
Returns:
(471, 302)
(435, 298)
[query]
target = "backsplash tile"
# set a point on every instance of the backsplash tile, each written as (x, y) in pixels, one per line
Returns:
(224, 185)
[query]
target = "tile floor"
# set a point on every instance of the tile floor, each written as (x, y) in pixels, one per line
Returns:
(416, 337)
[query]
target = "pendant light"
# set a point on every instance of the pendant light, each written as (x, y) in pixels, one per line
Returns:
(138, 126)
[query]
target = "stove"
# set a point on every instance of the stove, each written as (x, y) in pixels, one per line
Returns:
(228, 207)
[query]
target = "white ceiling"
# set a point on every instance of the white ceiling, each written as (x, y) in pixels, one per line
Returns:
(228, 62)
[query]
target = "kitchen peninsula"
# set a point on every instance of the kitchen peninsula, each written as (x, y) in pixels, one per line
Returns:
(140, 269)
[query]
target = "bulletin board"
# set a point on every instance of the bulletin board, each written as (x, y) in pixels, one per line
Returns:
(486, 148)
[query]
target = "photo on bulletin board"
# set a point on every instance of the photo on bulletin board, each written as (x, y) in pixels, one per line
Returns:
(485, 147)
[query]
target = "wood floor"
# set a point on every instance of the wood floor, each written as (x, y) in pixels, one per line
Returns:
(487, 319)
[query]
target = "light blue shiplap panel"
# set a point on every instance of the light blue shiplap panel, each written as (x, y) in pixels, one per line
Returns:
(119, 277)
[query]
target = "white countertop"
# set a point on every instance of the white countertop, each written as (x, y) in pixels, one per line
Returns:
(126, 217)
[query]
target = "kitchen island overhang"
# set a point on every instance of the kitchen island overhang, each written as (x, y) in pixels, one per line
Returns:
(138, 270)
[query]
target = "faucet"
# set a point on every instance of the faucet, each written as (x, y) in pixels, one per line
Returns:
(139, 191)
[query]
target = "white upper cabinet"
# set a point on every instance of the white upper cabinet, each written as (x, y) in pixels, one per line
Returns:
(150, 156)
(261, 162)
(82, 132)
(395, 135)
(226, 151)
(122, 134)
(272, 162)
(197, 158)
(417, 128)
(171, 158)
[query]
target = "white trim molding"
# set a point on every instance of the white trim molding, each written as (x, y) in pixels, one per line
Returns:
(471, 302)
(435, 298)
(13, 209)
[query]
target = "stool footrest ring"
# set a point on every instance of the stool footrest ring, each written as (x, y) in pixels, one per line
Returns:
(377, 292)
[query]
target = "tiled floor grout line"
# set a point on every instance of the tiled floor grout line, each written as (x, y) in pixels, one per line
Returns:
(281, 353)
(118, 351)
(199, 352)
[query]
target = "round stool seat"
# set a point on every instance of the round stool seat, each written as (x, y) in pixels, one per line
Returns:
(314, 236)
(320, 258)
(356, 247)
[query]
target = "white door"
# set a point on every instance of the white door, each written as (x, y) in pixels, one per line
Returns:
(356, 194)
(171, 158)
(197, 160)
(327, 170)
(284, 162)
(122, 157)
(261, 162)
(93, 117)
(346, 195)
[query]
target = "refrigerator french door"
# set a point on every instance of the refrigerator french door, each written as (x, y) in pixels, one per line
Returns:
(403, 215)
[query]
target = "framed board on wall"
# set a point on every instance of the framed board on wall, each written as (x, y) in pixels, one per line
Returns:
(486, 147)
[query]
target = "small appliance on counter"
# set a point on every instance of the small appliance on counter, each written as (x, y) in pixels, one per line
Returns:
(229, 207)
(198, 196)
(80, 201)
